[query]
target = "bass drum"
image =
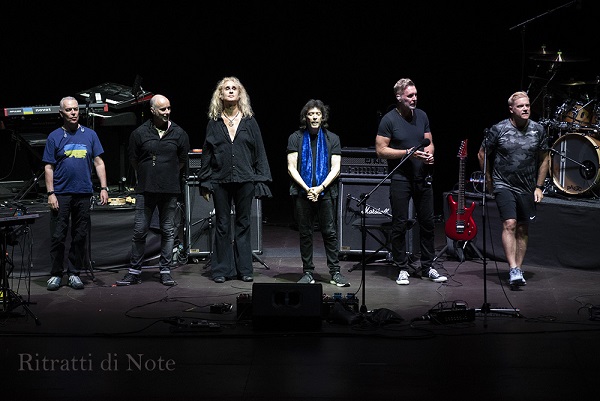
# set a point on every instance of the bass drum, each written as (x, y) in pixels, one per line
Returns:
(574, 163)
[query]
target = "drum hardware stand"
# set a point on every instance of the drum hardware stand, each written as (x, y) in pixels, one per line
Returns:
(485, 308)
(523, 25)
(10, 299)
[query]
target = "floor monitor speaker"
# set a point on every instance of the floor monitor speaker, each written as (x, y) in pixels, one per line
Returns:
(286, 306)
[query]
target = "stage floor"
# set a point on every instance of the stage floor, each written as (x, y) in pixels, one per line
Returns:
(150, 342)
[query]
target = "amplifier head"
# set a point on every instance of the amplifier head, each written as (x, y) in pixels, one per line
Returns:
(194, 163)
(362, 162)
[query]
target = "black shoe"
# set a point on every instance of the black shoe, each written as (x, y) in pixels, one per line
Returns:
(129, 279)
(219, 279)
(247, 279)
(166, 279)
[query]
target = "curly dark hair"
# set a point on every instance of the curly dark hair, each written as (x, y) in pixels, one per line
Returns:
(311, 104)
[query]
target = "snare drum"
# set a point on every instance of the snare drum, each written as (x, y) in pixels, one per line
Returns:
(574, 163)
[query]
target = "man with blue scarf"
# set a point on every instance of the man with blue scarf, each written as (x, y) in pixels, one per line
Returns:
(314, 157)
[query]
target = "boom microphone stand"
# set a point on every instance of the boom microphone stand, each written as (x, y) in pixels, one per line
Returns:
(363, 213)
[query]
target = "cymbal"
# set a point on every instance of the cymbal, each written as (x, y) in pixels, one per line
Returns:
(573, 83)
(579, 83)
(558, 58)
(538, 78)
(542, 51)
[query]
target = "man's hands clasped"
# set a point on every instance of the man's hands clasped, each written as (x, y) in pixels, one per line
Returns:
(314, 192)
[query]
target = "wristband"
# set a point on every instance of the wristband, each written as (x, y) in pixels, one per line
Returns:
(50, 193)
(104, 189)
(539, 186)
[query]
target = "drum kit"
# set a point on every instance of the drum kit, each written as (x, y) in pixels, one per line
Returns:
(571, 116)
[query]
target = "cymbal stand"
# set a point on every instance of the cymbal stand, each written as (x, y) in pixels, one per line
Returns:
(524, 24)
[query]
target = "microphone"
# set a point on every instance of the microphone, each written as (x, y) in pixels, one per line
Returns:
(348, 199)
(424, 142)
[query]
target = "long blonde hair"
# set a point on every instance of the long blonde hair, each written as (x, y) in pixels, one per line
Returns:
(216, 102)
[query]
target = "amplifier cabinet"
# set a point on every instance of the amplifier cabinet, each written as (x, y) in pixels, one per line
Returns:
(199, 230)
(378, 218)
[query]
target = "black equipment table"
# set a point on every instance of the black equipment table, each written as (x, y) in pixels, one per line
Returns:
(10, 299)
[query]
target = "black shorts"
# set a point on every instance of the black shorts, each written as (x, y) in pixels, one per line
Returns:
(512, 205)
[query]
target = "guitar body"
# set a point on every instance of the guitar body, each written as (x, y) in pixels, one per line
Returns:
(460, 225)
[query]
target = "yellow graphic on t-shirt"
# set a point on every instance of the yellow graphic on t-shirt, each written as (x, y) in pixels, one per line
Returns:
(76, 150)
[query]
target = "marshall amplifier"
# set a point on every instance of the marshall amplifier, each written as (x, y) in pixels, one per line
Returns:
(378, 218)
(362, 162)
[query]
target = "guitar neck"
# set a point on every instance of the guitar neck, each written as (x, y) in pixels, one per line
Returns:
(461, 186)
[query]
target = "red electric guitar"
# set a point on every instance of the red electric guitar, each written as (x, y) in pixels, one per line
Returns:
(460, 225)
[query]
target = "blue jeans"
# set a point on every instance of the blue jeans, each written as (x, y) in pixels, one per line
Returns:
(232, 259)
(145, 204)
(324, 212)
(76, 210)
(422, 195)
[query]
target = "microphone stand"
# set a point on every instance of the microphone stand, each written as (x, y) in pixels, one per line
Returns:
(362, 203)
(485, 308)
(563, 155)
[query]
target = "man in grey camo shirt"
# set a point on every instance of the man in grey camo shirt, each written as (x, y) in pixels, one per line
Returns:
(515, 170)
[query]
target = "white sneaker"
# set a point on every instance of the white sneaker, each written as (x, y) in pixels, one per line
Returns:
(402, 278)
(435, 276)
(516, 276)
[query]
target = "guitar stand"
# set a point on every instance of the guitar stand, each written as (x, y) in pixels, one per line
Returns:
(460, 250)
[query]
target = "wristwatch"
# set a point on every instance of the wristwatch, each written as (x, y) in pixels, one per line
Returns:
(50, 193)
(539, 186)
(104, 189)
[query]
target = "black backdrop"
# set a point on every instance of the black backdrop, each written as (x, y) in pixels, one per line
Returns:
(464, 57)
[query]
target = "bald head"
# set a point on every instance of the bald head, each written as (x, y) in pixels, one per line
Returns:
(160, 107)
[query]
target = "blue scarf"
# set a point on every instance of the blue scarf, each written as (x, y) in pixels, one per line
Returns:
(306, 168)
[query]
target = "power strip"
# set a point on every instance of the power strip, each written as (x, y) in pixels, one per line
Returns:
(448, 316)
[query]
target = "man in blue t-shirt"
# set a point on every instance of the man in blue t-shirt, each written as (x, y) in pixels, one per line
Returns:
(70, 153)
